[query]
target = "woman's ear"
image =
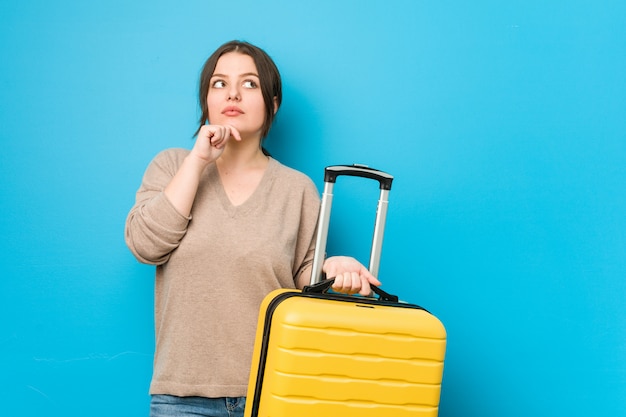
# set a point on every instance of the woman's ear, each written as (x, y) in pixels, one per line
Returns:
(275, 104)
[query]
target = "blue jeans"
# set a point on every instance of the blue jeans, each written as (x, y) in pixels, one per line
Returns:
(171, 406)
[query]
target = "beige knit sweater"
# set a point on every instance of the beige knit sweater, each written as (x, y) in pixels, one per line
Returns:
(215, 267)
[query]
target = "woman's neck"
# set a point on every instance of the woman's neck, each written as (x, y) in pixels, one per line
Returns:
(241, 168)
(242, 156)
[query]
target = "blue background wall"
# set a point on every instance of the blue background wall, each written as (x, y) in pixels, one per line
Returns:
(503, 122)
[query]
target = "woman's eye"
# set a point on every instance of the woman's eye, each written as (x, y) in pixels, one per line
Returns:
(250, 84)
(218, 84)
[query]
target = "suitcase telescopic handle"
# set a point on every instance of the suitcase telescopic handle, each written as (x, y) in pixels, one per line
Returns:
(330, 177)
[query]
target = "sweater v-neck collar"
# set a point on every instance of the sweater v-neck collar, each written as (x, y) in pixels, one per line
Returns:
(249, 203)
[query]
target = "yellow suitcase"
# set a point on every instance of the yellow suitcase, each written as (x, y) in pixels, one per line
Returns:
(320, 354)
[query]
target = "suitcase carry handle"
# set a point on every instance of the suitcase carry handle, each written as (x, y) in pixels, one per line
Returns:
(330, 177)
(324, 286)
(331, 173)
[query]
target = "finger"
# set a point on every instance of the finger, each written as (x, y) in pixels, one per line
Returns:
(356, 283)
(235, 133)
(366, 289)
(219, 137)
(371, 279)
(215, 142)
(330, 270)
(207, 131)
(205, 134)
(347, 283)
(344, 284)
(338, 283)
(374, 281)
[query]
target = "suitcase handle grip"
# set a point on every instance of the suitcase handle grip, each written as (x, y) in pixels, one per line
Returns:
(324, 286)
(357, 170)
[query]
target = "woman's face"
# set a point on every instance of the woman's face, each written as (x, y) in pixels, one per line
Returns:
(235, 96)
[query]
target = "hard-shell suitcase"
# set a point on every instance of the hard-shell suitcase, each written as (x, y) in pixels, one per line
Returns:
(320, 354)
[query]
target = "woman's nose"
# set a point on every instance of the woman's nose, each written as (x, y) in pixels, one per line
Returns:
(233, 93)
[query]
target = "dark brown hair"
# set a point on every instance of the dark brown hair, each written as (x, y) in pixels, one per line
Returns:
(269, 77)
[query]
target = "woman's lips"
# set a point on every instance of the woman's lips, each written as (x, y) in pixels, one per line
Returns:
(232, 111)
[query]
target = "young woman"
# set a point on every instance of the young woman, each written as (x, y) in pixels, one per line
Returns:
(224, 224)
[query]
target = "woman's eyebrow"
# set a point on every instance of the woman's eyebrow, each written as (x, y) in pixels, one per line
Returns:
(247, 74)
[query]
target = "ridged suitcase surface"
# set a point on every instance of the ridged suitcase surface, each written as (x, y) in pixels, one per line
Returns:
(341, 356)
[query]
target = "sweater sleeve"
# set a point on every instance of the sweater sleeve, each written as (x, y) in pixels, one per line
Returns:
(154, 228)
(305, 248)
